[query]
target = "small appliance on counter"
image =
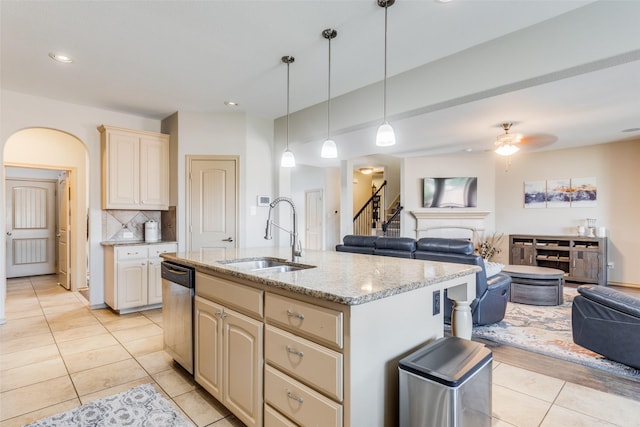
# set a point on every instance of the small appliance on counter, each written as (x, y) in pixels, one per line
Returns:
(151, 232)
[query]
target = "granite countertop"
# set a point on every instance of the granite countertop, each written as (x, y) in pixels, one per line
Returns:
(132, 242)
(340, 277)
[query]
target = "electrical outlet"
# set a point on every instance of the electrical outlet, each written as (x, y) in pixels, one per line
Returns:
(610, 265)
(127, 235)
(436, 303)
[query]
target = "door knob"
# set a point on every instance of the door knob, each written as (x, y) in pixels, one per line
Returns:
(228, 239)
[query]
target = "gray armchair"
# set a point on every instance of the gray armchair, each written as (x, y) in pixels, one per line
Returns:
(607, 322)
(492, 293)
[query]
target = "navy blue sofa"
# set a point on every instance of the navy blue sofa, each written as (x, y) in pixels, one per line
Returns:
(492, 293)
(400, 247)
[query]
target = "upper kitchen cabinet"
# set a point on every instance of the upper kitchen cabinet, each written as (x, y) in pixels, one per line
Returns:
(135, 169)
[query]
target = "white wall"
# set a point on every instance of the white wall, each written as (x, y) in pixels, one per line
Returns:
(20, 111)
(417, 168)
(230, 134)
(617, 172)
(500, 191)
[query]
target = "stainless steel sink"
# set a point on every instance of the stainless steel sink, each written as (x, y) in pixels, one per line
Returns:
(266, 265)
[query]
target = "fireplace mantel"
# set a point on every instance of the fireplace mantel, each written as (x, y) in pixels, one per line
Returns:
(449, 214)
(449, 223)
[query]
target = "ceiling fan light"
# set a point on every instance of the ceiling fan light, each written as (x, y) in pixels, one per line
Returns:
(507, 149)
(385, 136)
(329, 149)
(288, 159)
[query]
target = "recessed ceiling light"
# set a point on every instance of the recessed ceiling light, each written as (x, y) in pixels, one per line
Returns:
(231, 104)
(60, 57)
(443, 1)
(632, 130)
(468, 150)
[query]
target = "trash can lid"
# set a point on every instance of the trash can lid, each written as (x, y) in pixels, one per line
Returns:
(449, 360)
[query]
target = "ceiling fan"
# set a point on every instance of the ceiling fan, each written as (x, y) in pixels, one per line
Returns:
(509, 143)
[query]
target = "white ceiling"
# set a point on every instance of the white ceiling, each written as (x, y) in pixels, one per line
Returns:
(152, 58)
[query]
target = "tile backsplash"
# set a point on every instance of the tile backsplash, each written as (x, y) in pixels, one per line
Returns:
(116, 224)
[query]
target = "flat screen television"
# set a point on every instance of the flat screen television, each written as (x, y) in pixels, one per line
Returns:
(456, 192)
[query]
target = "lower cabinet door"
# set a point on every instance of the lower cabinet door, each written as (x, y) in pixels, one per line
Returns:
(243, 362)
(208, 346)
(132, 283)
(155, 281)
(298, 402)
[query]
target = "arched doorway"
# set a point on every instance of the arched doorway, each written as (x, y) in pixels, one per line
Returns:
(44, 148)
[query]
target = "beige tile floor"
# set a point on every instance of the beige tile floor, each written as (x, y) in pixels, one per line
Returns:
(56, 354)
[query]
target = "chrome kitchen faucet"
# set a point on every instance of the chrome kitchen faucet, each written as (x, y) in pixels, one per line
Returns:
(296, 250)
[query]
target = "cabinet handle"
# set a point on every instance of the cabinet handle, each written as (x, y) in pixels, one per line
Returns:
(132, 253)
(296, 315)
(294, 351)
(294, 397)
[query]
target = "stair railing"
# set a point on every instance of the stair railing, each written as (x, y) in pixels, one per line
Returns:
(369, 214)
(391, 227)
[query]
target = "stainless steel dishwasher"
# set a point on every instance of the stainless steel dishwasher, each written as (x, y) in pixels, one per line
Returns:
(177, 312)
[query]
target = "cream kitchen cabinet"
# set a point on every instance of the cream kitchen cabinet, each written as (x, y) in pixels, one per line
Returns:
(135, 169)
(229, 345)
(132, 275)
(304, 376)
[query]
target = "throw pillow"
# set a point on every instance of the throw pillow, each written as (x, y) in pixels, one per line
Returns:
(492, 268)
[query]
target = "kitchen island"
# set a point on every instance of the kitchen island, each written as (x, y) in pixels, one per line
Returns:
(319, 345)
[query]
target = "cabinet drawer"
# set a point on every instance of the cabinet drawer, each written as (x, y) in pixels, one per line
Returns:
(299, 317)
(131, 252)
(273, 418)
(243, 298)
(313, 364)
(298, 402)
(156, 250)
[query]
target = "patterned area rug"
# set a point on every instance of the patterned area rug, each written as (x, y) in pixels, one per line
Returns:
(547, 330)
(140, 406)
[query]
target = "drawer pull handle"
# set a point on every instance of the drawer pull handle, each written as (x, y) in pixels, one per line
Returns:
(293, 397)
(294, 351)
(296, 315)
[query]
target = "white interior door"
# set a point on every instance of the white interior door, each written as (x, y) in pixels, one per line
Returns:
(64, 230)
(213, 196)
(31, 227)
(313, 219)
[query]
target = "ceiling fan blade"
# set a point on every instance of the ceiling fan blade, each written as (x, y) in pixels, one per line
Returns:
(537, 141)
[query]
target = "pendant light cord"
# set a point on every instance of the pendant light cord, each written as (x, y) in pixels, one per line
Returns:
(386, 4)
(329, 93)
(288, 64)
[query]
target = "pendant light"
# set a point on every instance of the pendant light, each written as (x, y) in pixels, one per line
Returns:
(329, 149)
(288, 160)
(385, 137)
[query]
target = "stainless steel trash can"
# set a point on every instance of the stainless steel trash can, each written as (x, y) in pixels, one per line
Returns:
(447, 383)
